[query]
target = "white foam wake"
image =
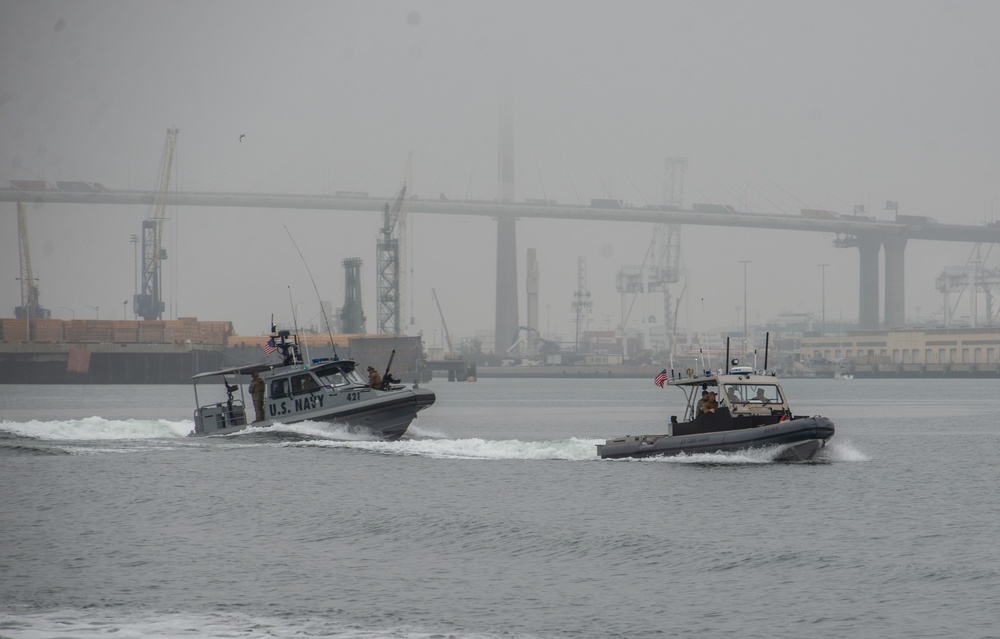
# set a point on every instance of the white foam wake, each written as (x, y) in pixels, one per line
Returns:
(98, 428)
(473, 448)
(843, 451)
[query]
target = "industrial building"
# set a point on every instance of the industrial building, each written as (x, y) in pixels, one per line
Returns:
(917, 352)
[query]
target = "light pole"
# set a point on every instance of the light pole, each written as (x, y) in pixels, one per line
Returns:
(70, 310)
(822, 325)
(97, 310)
(124, 309)
(745, 309)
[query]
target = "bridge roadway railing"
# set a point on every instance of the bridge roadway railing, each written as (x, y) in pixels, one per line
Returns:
(841, 225)
(868, 235)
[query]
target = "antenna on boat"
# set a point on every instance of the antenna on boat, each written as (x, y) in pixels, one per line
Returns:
(704, 336)
(322, 308)
(767, 337)
(295, 323)
(727, 355)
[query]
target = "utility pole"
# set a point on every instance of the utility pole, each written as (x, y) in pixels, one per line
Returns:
(745, 309)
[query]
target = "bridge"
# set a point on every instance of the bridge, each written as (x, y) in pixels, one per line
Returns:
(866, 234)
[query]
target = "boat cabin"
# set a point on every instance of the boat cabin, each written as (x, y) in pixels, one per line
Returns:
(295, 392)
(226, 412)
(745, 400)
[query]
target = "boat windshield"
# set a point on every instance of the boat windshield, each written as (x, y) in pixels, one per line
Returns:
(753, 394)
(338, 378)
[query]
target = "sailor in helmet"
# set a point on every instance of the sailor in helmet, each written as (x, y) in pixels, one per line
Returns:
(374, 379)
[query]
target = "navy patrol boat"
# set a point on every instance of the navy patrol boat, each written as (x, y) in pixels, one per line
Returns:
(322, 390)
(752, 413)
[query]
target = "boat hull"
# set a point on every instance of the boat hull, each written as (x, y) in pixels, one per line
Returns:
(798, 439)
(386, 416)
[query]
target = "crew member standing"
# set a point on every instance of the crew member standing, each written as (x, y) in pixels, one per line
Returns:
(374, 379)
(257, 392)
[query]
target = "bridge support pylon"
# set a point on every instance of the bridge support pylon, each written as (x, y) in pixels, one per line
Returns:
(895, 305)
(868, 302)
(506, 326)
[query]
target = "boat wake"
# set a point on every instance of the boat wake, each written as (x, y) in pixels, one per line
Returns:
(473, 448)
(843, 451)
(97, 428)
(833, 452)
(418, 441)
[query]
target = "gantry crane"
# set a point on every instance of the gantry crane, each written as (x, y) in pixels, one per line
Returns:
(148, 304)
(388, 265)
(444, 327)
(29, 308)
(974, 279)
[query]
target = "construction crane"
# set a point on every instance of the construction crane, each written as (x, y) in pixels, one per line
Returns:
(388, 265)
(148, 304)
(444, 327)
(975, 279)
(29, 308)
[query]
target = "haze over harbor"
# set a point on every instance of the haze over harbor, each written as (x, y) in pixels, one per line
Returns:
(777, 107)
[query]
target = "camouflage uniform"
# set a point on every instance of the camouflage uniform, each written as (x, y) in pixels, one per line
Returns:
(257, 392)
(374, 379)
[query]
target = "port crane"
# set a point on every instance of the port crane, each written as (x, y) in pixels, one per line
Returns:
(388, 265)
(444, 326)
(29, 307)
(148, 304)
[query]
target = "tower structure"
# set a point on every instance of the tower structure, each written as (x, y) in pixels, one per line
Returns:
(149, 303)
(389, 269)
(666, 269)
(660, 268)
(582, 304)
(30, 307)
(506, 326)
(531, 285)
(352, 315)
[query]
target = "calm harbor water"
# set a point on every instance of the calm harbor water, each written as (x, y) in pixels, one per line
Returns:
(495, 518)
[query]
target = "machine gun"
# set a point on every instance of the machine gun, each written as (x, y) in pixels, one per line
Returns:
(230, 389)
(387, 379)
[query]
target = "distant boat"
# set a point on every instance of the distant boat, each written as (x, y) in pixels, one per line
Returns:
(752, 413)
(839, 375)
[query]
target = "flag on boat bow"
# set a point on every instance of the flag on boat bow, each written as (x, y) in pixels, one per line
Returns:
(662, 377)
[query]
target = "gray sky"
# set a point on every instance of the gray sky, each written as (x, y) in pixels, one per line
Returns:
(778, 106)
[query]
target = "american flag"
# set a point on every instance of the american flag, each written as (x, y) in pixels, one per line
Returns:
(268, 347)
(662, 377)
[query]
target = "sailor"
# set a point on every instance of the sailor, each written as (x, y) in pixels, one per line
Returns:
(734, 394)
(374, 379)
(711, 404)
(760, 397)
(699, 409)
(257, 392)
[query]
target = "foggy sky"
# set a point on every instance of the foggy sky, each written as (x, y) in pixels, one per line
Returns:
(777, 106)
